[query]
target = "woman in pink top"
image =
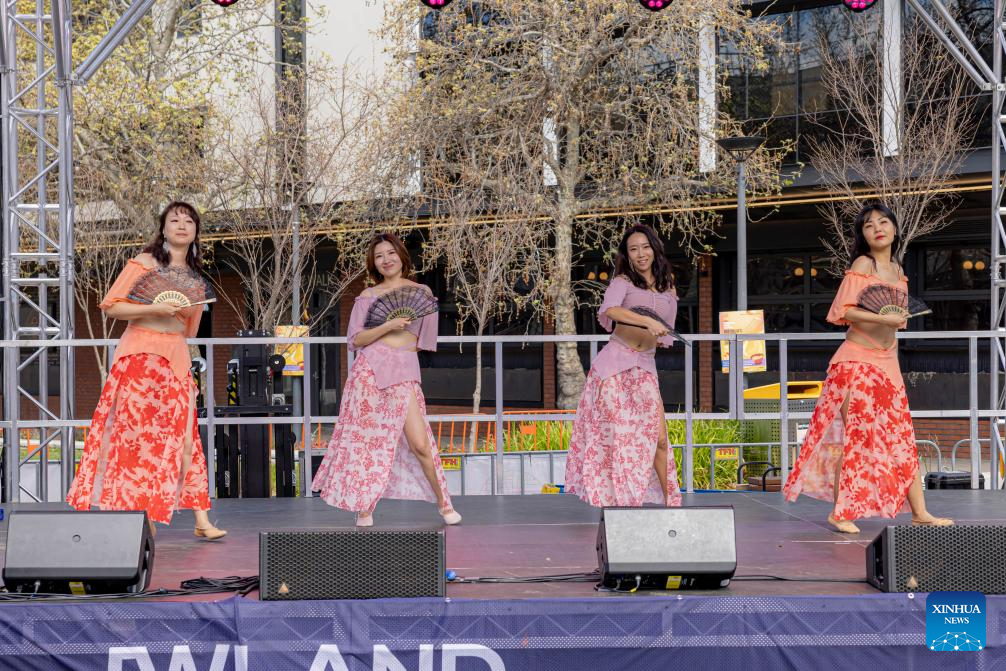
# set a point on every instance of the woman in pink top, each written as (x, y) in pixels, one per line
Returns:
(143, 450)
(382, 446)
(860, 450)
(618, 452)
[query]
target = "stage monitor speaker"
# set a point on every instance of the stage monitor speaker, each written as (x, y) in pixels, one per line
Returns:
(667, 548)
(963, 557)
(351, 564)
(70, 552)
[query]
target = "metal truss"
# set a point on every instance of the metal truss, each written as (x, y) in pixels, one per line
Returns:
(37, 215)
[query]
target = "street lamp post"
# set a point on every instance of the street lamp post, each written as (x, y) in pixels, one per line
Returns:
(740, 149)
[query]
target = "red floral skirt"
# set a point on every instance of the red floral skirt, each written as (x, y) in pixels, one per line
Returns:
(875, 448)
(137, 465)
(614, 442)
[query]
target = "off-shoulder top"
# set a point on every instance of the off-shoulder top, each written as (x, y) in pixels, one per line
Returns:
(623, 293)
(424, 328)
(848, 294)
(140, 340)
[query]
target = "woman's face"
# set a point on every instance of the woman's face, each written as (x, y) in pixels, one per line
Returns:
(387, 260)
(179, 228)
(879, 231)
(640, 253)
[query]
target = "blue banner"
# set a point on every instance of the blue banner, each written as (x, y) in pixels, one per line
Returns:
(616, 633)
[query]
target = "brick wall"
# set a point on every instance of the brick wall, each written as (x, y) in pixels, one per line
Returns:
(706, 318)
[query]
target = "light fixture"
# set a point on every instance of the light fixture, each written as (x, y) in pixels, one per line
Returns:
(858, 5)
(967, 265)
(813, 272)
(655, 5)
(798, 271)
(979, 265)
(591, 275)
(741, 147)
(603, 275)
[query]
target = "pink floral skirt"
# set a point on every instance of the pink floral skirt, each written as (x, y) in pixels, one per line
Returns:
(137, 465)
(876, 448)
(368, 457)
(614, 442)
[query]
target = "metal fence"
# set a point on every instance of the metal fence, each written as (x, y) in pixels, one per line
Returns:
(39, 455)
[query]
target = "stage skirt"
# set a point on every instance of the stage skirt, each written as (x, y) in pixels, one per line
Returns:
(614, 442)
(876, 449)
(368, 457)
(133, 451)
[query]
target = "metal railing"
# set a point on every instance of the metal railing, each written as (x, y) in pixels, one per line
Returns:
(307, 421)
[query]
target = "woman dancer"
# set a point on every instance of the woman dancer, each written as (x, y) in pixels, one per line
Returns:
(618, 452)
(860, 448)
(143, 450)
(383, 446)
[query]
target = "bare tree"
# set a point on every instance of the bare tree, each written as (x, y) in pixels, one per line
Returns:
(278, 187)
(102, 248)
(934, 123)
(179, 65)
(588, 110)
(494, 266)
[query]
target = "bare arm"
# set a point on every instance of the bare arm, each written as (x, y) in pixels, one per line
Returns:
(861, 316)
(367, 336)
(627, 316)
(127, 311)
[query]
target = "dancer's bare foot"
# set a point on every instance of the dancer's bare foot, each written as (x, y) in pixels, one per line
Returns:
(364, 519)
(845, 526)
(927, 520)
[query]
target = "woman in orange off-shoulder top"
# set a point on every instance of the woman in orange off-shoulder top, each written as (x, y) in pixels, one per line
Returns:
(860, 448)
(143, 450)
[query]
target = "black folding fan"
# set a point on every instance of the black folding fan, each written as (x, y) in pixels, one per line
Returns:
(883, 299)
(410, 302)
(647, 312)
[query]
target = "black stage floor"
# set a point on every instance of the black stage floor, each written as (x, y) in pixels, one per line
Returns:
(555, 534)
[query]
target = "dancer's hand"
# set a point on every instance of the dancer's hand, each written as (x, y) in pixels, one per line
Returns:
(656, 328)
(165, 309)
(895, 320)
(397, 324)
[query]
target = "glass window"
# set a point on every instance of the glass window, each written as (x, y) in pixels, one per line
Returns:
(955, 315)
(772, 275)
(822, 280)
(956, 269)
(779, 318)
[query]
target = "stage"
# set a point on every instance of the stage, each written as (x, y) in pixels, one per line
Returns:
(835, 623)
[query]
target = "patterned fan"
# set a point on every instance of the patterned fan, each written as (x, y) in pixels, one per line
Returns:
(409, 302)
(884, 299)
(181, 285)
(647, 312)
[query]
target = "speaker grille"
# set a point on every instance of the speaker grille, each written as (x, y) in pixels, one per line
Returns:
(961, 557)
(351, 564)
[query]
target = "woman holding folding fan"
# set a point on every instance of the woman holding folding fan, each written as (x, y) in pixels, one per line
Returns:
(860, 448)
(143, 450)
(618, 454)
(382, 446)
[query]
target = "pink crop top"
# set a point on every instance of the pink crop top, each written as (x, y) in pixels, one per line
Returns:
(623, 293)
(425, 328)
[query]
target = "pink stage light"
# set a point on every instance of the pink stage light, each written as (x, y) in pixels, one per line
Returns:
(859, 5)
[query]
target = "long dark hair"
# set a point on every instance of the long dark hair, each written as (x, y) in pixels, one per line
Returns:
(193, 259)
(400, 249)
(663, 278)
(859, 245)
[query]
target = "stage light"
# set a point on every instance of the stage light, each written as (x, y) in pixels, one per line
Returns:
(655, 5)
(436, 4)
(224, 3)
(859, 5)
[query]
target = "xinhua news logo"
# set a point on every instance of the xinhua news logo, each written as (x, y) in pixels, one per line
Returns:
(955, 621)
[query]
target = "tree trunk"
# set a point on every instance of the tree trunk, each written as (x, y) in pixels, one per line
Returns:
(476, 395)
(569, 369)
